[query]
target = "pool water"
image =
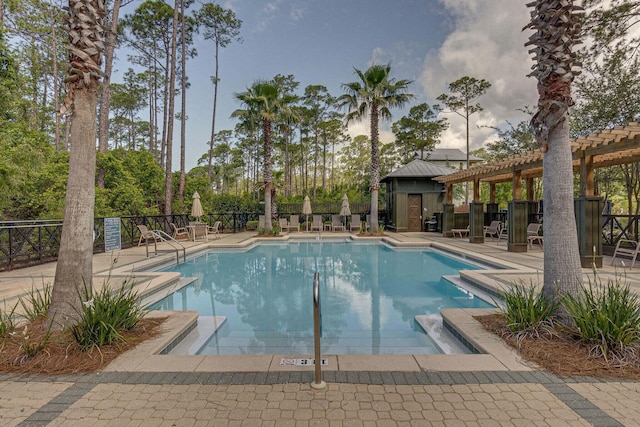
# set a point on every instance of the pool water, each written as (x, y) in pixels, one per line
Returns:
(370, 295)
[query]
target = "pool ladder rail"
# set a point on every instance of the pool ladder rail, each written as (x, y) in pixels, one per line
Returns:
(318, 383)
(164, 237)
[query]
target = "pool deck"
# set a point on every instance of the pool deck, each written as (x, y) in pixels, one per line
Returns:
(145, 388)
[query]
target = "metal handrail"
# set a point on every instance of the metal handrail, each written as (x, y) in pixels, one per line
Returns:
(159, 234)
(317, 331)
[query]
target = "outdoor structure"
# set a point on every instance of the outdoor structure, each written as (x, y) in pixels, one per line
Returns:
(620, 145)
(412, 194)
(453, 158)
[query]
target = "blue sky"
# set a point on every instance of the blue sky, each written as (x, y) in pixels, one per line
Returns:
(432, 42)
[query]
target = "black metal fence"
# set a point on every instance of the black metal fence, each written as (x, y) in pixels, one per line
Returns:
(24, 243)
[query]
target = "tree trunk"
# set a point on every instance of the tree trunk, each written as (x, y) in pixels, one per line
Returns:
(375, 168)
(562, 270)
(183, 100)
(74, 268)
(105, 96)
(172, 105)
(213, 118)
(56, 90)
(267, 173)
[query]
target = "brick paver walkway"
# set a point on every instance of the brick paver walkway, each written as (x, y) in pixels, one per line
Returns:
(287, 399)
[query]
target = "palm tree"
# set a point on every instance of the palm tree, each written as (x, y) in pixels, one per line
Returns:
(265, 101)
(373, 96)
(556, 32)
(74, 269)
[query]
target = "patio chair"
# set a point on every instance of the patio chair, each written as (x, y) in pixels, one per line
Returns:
(503, 234)
(147, 234)
(179, 232)
(215, 229)
(261, 222)
(368, 221)
(284, 225)
(628, 248)
(316, 223)
(294, 222)
(492, 230)
(460, 232)
(336, 223)
(533, 235)
(356, 223)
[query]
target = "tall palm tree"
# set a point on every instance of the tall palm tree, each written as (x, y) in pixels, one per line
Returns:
(265, 101)
(556, 33)
(373, 96)
(74, 269)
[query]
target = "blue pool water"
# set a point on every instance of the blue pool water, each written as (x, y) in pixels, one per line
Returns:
(370, 295)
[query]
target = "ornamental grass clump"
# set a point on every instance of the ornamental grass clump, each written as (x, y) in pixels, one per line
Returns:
(7, 321)
(105, 314)
(527, 313)
(36, 303)
(607, 318)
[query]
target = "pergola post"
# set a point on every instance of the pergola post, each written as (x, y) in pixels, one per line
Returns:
(447, 219)
(518, 217)
(588, 217)
(476, 216)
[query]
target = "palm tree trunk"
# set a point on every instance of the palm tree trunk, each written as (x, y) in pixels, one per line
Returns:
(562, 270)
(74, 269)
(375, 168)
(266, 123)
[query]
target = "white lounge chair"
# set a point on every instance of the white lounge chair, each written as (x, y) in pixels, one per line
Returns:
(628, 248)
(294, 223)
(284, 225)
(215, 229)
(147, 234)
(178, 232)
(460, 232)
(533, 235)
(356, 223)
(336, 223)
(316, 223)
(493, 230)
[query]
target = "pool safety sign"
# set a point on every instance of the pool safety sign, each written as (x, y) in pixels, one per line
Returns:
(112, 240)
(303, 362)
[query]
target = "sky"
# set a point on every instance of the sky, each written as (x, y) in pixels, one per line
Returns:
(320, 42)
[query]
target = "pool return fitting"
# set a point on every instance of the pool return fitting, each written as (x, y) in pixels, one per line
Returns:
(317, 328)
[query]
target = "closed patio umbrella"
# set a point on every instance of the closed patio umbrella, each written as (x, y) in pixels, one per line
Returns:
(306, 210)
(196, 208)
(345, 210)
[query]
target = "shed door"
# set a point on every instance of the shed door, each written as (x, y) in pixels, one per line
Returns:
(414, 212)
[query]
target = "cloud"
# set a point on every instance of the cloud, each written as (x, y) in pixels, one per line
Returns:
(487, 42)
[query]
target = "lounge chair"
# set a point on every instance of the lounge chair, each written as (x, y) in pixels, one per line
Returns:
(628, 248)
(284, 225)
(503, 234)
(147, 234)
(336, 223)
(493, 230)
(294, 223)
(215, 229)
(179, 232)
(460, 232)
(356, 223)
(368, 221)
(532, 234)
(261, 222)
(316, 223)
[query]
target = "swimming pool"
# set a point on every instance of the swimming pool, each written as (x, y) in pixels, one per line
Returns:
(370, 296)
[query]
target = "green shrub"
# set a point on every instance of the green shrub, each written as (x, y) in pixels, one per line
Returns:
(104, 315)
(526, 311)
(36, 303)
(252, 225)
(606, 317)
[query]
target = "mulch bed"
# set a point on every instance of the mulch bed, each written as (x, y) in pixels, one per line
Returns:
(61, 354)
(562, 355)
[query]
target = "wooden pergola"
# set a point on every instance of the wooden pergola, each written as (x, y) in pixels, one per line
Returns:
(617, 146)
